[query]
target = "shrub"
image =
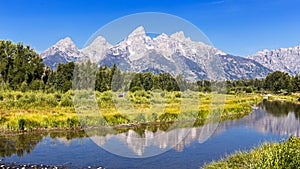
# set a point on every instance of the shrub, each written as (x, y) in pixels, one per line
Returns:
(36, 85)
(58, 96)
(21, 124)
(116, 119)
(51, 100)
(140, 118)
(72, 122)
(19, 95)
(177, 94)
(136, 88)
(66, 101)
(168, 117)
(24, 86)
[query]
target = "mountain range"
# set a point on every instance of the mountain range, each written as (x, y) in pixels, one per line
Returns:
(175, 54)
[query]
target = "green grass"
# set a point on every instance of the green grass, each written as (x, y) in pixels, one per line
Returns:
(286, 98)
(269, 155)
(38, 110)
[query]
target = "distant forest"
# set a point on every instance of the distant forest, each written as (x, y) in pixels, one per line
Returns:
(21, 68)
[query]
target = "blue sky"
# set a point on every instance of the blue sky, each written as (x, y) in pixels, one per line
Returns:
(239, 27)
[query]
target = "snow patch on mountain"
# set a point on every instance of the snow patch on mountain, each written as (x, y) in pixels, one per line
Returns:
(282, 59)
(175, 54)
(62, 52)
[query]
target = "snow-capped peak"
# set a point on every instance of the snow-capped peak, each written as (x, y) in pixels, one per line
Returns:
(97, 49)
(99, 41)
(64, 47)
(178, 35)
(175, 54)
(139, 31)
(161, 37)
(280, 59)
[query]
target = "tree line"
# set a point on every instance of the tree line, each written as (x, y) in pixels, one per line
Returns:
(21, 68)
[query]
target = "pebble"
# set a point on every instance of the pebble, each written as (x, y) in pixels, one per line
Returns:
(15, 165)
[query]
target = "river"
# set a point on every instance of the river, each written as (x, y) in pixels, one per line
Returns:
(189, 147)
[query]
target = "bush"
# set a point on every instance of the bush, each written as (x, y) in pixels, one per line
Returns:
(21, 123)
(106, 96)
(168, 117)
(153, 117)
(136, 88)
(72, 122)
(36, 85)
(116, 119)
(140, 118)
(51, 100)
(19, 95)
(24, 86)
(58, 96)
(177, 94)
(66, 101)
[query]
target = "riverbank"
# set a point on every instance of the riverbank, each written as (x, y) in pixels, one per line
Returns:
(268, 155)
(15, 165)
(249, 131)
(30, 111)
(293, 98)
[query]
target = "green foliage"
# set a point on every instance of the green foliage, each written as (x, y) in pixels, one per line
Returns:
(34, 85)
(140, 118)
(24, 87)
(21, 68)
(116, 119)
(269, 155)
(21, 124)
(277, 81)
(168, 117)
(19, 64)
(66, 101)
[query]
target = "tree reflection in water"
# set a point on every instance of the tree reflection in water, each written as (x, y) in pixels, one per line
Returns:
(281, 109)
(20, 144)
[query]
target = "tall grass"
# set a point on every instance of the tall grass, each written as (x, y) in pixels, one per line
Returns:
(38, 110)
(269, 155)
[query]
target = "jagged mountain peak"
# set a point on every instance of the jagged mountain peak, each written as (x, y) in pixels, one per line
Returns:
(178, 35)
(66, 40)
(266, 51)
(62, 52)
(280, 59)
(64, 46)
(65, 43)
(139, 31)
(175, 54)
(100, 40)
(97, 49)
(161, 36)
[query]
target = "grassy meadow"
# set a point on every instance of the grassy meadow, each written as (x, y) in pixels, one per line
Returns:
(39, 110)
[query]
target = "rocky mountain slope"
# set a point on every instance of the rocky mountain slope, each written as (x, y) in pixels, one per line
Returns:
(175, 54)
(283, 59)
(62, 52)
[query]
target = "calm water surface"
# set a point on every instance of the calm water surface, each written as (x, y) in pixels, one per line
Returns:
(270, 121)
